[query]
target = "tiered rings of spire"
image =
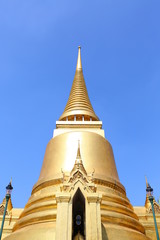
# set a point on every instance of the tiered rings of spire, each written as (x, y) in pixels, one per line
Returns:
(78, 107)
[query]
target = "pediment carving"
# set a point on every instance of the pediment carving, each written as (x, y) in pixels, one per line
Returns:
(156, 208)
(78, 175)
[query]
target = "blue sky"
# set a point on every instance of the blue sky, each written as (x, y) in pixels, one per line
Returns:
(121, 62)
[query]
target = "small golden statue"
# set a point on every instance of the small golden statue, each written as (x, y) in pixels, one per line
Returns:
(78, 237)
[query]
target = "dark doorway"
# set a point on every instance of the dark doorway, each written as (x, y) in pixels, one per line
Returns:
(78, 215)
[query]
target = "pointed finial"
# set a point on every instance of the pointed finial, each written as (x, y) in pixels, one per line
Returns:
(79, 63)
(78, 162)
(146, 182)
(78, 151)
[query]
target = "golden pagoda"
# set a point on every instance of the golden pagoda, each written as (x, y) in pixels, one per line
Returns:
(78, 194)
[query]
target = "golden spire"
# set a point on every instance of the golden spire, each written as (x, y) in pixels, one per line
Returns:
(79, 106)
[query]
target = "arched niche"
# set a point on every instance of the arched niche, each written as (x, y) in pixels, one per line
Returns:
(78, 216)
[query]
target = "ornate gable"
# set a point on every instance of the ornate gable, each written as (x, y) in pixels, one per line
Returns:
(78, 175)
(149, 207)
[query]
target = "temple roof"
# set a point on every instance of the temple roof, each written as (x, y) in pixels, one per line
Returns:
(78, 102)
